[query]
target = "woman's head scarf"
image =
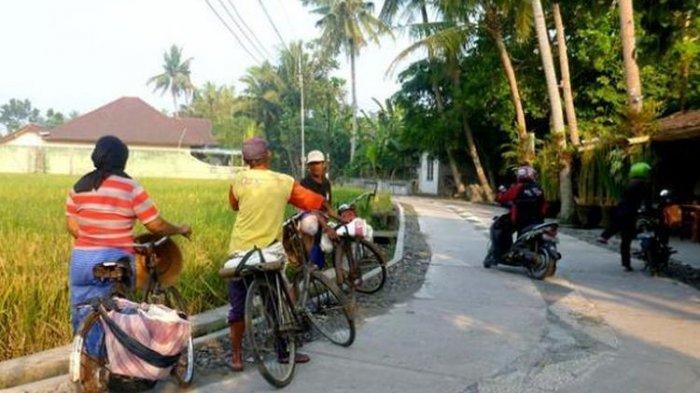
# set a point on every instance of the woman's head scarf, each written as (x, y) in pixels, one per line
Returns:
(109, 158)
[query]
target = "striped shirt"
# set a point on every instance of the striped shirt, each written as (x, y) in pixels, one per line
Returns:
(106, 216)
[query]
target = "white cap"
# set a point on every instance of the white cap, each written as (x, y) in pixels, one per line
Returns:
(315, 156)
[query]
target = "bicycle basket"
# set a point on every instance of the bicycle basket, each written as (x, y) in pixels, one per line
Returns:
(143, 340)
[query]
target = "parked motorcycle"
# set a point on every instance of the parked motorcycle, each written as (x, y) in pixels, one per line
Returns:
(535, 248)
(653, 227)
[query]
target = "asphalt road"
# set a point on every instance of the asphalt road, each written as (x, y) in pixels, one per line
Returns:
(592, 328)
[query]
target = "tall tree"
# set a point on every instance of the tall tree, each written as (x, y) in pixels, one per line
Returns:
(348, 25)
(494, 11)
(447, 40)
(565, 76)
(629, 56)
(175, 77)
(226, 111)
(390, 9)
(53, 118)
(16, 113)
(557, 115)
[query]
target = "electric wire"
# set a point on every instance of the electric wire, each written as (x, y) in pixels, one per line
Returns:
(272, 22)
(240, 30)
(255, 36)
(232, 32)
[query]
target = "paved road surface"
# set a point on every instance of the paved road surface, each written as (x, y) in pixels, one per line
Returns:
(593, 328)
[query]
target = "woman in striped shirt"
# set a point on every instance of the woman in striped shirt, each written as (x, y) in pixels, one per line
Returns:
(101, 210)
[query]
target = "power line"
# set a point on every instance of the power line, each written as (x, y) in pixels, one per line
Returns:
(255, 37)
(232, 32)
(240, 30)
(274, 27)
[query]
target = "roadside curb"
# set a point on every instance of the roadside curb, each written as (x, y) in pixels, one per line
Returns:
(46, 369)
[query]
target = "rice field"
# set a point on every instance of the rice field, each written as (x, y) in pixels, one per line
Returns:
(35, 249)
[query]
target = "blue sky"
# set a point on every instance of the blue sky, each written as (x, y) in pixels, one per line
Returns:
(80, 54)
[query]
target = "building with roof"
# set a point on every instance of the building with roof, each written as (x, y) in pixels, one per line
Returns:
(160, 146)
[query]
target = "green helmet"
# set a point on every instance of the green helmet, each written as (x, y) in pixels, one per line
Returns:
(640, 170)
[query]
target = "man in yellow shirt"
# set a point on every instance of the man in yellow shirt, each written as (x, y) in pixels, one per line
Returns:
(260, 196)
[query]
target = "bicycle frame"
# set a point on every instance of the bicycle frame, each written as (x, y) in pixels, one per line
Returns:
(148, 250)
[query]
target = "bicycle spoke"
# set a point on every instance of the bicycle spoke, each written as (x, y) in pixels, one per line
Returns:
(268, 340)
(328, 312)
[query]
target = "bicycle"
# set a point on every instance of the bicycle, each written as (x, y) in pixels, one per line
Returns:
(167, 295)
(91, 371)
(279, 316)
(355, 257)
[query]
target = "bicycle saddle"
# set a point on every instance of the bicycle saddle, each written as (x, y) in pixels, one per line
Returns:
(115, 271)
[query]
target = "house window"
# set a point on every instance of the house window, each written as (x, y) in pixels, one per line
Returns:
(431, 165)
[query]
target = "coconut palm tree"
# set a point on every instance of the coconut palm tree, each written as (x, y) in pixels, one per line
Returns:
(175, 77)
(629, 56)
(348, 25)
(490, 15)
(565, 76)
(494, 12)
(446, 40)
(408, 8)
(558, 128)
(263, 91)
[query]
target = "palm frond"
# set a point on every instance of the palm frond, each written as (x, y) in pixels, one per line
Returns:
(445, 43)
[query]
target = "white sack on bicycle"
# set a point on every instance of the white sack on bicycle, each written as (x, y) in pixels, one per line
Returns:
(357, 228)
(309, 225)
(155, 326)
(273, 253)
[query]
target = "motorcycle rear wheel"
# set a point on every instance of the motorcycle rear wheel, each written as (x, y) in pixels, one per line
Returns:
(543, 267)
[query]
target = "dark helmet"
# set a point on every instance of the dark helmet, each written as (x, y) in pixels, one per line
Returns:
(526, 173)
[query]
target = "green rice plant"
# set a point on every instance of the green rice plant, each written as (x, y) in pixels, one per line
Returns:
(35, 252)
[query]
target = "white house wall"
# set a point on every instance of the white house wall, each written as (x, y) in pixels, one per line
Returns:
(75, 160)
(26, 139)
(425, 185)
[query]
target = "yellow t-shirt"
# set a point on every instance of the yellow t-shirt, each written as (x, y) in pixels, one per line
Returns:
(262, 198)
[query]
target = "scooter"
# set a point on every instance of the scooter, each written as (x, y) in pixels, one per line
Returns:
(653, 226)
(535, 248)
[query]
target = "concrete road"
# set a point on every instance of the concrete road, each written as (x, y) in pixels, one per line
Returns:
(593, 328)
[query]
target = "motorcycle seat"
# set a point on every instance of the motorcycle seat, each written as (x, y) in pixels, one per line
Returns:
(535, 227)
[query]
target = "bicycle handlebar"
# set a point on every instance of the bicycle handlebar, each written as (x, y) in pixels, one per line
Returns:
(150, 245)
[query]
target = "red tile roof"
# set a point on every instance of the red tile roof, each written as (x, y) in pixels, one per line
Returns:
(22, 130)
(135, 122)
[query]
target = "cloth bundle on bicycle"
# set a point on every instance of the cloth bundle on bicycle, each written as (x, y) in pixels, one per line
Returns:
(144, 340)
(358, 228)
(272, 253)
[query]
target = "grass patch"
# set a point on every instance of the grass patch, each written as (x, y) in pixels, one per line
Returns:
(35, 252)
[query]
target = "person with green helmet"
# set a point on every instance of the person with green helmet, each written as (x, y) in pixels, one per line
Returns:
(624, 219)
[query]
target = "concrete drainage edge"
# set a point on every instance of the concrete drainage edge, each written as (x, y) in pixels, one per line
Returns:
(48, 368)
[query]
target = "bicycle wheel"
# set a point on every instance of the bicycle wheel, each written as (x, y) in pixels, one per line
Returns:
(269, 333)
(370, 262)
(88, 371)
(328, 310)
(183, 371)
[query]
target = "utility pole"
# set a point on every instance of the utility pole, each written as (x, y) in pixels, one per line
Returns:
(301, 88)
